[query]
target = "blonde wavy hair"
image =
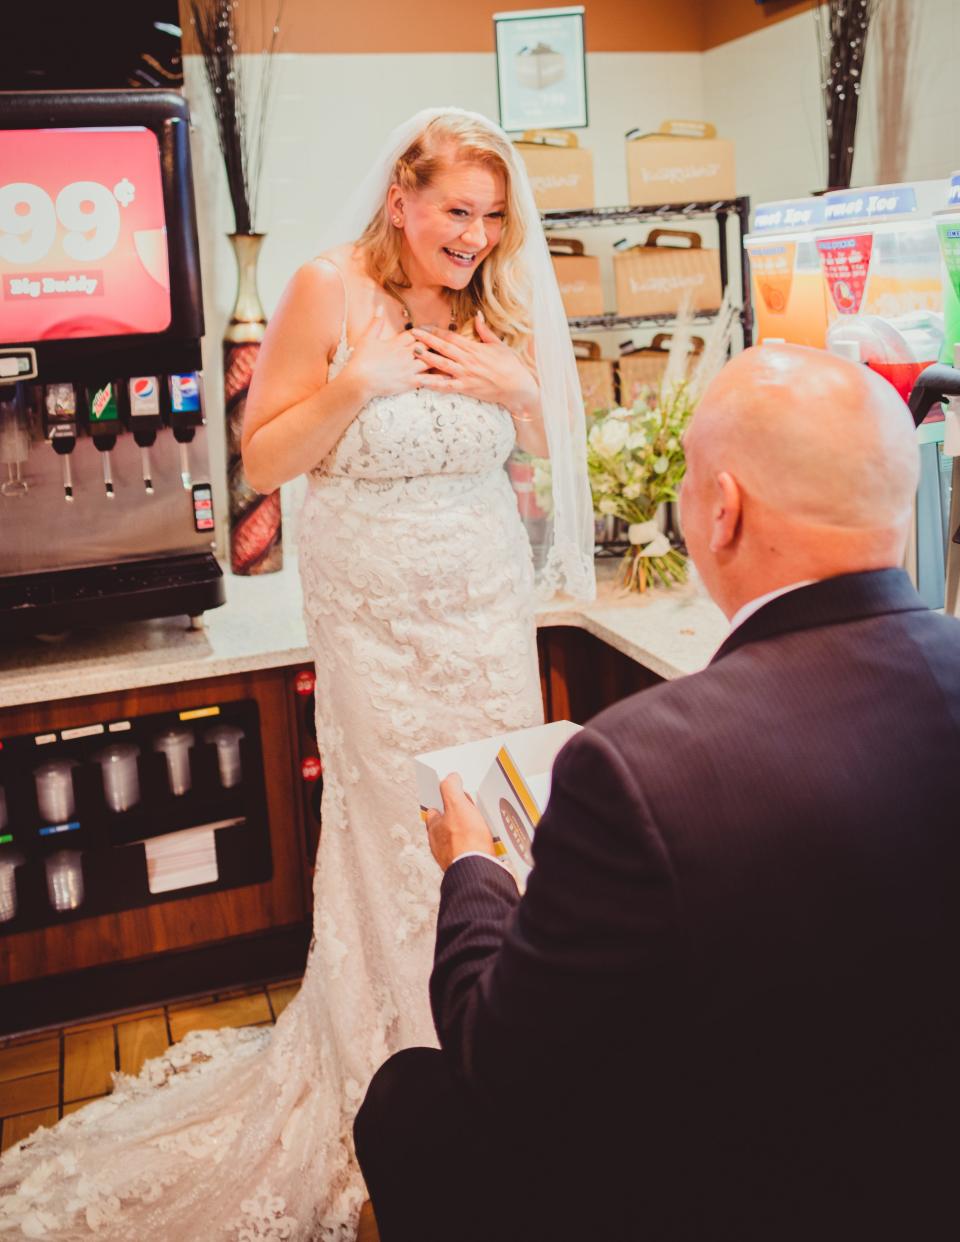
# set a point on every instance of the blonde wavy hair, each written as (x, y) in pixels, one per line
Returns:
(499, 287)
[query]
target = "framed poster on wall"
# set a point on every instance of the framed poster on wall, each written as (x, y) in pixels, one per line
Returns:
(541, 68)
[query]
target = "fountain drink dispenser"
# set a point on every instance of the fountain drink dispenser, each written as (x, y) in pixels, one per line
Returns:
(788, 289)
(860, 272)
(105, 498)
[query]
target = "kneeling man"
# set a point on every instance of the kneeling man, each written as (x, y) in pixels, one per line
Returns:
(725, 1009)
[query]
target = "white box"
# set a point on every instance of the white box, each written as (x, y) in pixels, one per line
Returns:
(532, 752)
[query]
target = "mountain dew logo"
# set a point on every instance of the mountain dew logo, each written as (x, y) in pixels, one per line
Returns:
(103, 404)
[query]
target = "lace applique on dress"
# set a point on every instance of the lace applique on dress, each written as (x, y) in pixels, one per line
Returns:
(418, 585)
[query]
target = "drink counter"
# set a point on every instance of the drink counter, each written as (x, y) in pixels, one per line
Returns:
(160, 787)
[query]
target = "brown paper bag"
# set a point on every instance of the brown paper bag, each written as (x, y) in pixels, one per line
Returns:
(578, 276)
(596, 378)
(654, 279)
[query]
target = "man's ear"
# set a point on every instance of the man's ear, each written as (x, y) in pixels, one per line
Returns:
(726, 512)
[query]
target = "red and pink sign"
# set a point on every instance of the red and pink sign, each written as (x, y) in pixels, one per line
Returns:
(83, 241)
(846, 264)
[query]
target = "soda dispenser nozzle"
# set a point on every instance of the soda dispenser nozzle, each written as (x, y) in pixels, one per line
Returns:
(60, 425)
(144, 419)
(185, 413)
(932, 385)
(103, 423)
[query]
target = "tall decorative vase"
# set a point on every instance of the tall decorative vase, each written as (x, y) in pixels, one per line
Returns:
(256, 543)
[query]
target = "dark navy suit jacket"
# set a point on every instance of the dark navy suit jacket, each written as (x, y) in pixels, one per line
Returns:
(726, 1007)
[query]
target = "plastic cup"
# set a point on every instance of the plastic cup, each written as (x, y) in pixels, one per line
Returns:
(121, 779)
(8, 885)
(65, 880)
(175, 745)
(226, 738)
(55, 790)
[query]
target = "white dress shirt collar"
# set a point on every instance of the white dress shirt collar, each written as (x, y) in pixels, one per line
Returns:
(754, 605)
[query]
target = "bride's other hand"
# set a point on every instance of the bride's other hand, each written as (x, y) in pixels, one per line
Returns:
(484, 368)
(384, 366)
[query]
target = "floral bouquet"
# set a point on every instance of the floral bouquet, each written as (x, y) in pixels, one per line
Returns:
(635, 456)
(635, 459)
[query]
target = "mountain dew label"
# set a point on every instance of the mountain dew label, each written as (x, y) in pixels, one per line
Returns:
(103, 403)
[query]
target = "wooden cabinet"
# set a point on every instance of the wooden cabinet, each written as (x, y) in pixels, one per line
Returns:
(185, 943)
(201, 940)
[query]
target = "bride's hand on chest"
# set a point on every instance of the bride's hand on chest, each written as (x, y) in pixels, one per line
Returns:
(485, 368)
(385, 364)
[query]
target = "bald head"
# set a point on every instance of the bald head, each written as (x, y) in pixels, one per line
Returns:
(811, 435)
(821, 457)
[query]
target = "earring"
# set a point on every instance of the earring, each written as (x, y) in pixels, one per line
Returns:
(397, 222)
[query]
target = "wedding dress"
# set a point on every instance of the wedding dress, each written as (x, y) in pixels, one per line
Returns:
(418, 597)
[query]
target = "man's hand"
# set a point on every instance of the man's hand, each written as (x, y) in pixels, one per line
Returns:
(459, 828)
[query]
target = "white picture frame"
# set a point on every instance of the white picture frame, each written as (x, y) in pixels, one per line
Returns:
(541, 69)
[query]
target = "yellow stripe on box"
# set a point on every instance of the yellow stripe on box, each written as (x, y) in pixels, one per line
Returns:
(512, 773)
(197, 712)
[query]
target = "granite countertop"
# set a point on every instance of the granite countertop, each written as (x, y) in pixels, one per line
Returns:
(261, 626)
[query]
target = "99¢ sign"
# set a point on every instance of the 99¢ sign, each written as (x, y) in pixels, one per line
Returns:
(83, 248)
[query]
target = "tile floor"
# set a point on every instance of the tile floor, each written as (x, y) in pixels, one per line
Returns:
(46, 1074)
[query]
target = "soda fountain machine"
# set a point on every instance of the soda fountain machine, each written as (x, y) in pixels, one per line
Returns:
(859, 272)
(106, 509)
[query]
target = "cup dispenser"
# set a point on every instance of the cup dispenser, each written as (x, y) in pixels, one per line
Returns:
(112, 815)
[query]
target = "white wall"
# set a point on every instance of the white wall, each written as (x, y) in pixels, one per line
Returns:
(763, 92)
(332, 113)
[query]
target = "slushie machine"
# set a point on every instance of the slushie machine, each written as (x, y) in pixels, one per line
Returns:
(864, 273)
(106, 508)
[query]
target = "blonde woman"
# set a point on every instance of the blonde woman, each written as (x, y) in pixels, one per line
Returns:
(401, 370)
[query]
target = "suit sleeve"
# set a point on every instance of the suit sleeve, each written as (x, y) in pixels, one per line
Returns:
(516, 979)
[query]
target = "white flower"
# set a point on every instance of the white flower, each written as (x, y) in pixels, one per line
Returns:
(632, 491)
(609, 436)
(661, 465)
(608, 507)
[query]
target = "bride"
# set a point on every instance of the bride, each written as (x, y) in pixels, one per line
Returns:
(401, 369)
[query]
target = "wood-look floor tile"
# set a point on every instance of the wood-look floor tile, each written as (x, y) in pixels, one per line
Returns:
(88, 1062)
(190, 1002)
(27, 1037)
(135, 1015)
(242, 1011)
(75, 1104)
(16, 1129)
(25, 1095)
(367, 1229)
(35, 1058)
(281, 995)
(110, 1019)
(139, 1041)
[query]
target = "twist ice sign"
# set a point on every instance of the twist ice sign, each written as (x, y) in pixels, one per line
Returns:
(83, 246)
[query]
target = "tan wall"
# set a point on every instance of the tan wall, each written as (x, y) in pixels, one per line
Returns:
(725, 20)
(332, 26)
(437, 26)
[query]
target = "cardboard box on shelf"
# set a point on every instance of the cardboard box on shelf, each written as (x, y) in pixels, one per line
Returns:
(578, 276)
(597, 378)
(560, 170)
(654, 279)
(508, 776)
(642, 369)
(683, 162)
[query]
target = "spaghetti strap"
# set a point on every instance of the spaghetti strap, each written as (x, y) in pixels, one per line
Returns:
(343, 326)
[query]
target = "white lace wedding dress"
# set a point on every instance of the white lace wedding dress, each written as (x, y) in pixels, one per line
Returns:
(418, 589)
